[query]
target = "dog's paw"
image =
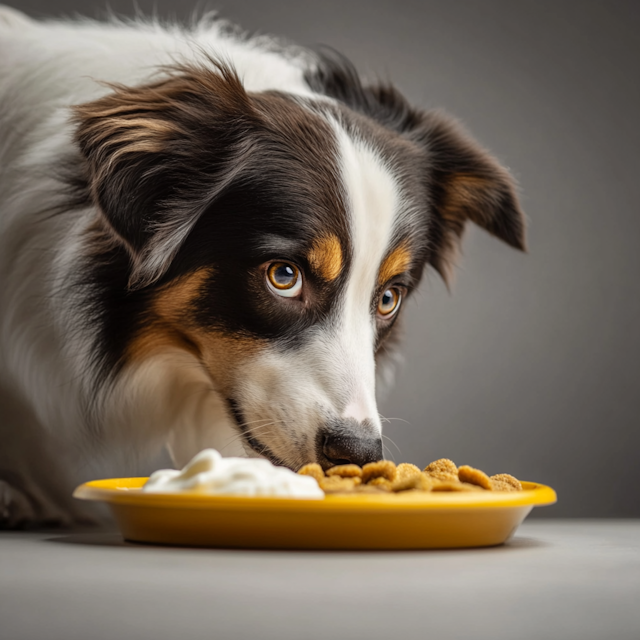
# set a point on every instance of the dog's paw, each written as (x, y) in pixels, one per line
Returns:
(21, 510)
(16, 510)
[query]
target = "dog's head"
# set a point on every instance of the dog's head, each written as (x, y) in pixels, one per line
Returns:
(274, 238)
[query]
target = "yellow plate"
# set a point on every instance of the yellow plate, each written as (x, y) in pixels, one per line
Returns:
(358, 521)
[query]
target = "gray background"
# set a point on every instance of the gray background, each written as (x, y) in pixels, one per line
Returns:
(532, 365)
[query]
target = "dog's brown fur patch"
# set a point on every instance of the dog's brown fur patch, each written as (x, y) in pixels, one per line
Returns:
(465, 195)
(171, 326)
(325, 257)
(143, 119)
(398, 261)
(175, 299)
(156, 337)
(165, 328)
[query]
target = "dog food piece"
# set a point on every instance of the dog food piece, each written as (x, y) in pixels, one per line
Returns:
(368, 488)
(336, 484)
(474, 476)
(345, 471)
(505, 482)
(381, 469)
(380, 483)
(407, 469)
(443, 469)
(385, 477)
(312, 469)
(408, 476)
(406, 483)
(420, 484)
(426, 482)
(454, 485)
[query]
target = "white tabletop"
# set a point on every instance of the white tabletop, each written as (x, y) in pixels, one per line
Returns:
(556, 579)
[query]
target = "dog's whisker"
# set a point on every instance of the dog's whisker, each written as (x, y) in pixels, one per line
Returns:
(240, 437)
(242, 434)
(392, 442)
(399, 420)
(244, 424)
(255, 430)
(387, 453)
(260, 427)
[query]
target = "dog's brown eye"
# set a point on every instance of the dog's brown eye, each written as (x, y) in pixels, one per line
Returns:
(284, 279)
(389, 302)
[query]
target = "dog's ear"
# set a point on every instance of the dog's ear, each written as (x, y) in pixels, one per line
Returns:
(465, 183)
(157, 155)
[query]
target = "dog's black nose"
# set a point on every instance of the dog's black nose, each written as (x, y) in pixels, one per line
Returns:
(342, 449)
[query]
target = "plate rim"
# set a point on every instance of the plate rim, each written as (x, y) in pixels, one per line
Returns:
(126, 491)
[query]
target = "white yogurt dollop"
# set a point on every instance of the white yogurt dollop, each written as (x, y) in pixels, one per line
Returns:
(209, 472)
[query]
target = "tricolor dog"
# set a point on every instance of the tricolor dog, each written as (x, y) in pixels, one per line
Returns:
(206, 240)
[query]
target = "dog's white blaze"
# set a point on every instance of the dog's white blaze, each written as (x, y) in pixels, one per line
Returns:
(357, 409)
(372, 200)
(334, 373)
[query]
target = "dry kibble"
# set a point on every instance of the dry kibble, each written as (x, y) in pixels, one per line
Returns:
(336, 484)
(505, 482)
(498, 485)
(312, 469)
(345, 471)
(380, 483)
(426, 482)
(443, 469)
(407, 469)
(381, 469)
(367, 488)
(474, 476)
(422, 483)
(450, 485)
(384, 477)
(408, 476)
(405, 483)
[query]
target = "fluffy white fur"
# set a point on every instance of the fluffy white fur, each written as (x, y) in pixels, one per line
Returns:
(374, 204)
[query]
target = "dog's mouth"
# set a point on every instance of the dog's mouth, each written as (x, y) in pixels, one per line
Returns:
(250, 439)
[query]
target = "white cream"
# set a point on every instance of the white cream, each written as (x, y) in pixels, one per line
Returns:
(209, 472)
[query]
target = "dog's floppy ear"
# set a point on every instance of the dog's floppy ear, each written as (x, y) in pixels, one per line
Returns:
(465, 183)
(157, 155)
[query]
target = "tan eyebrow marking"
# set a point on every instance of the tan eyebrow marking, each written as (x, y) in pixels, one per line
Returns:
(396, 262)
(325, 257)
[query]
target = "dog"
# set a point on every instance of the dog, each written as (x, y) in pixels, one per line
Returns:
(206, 240)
